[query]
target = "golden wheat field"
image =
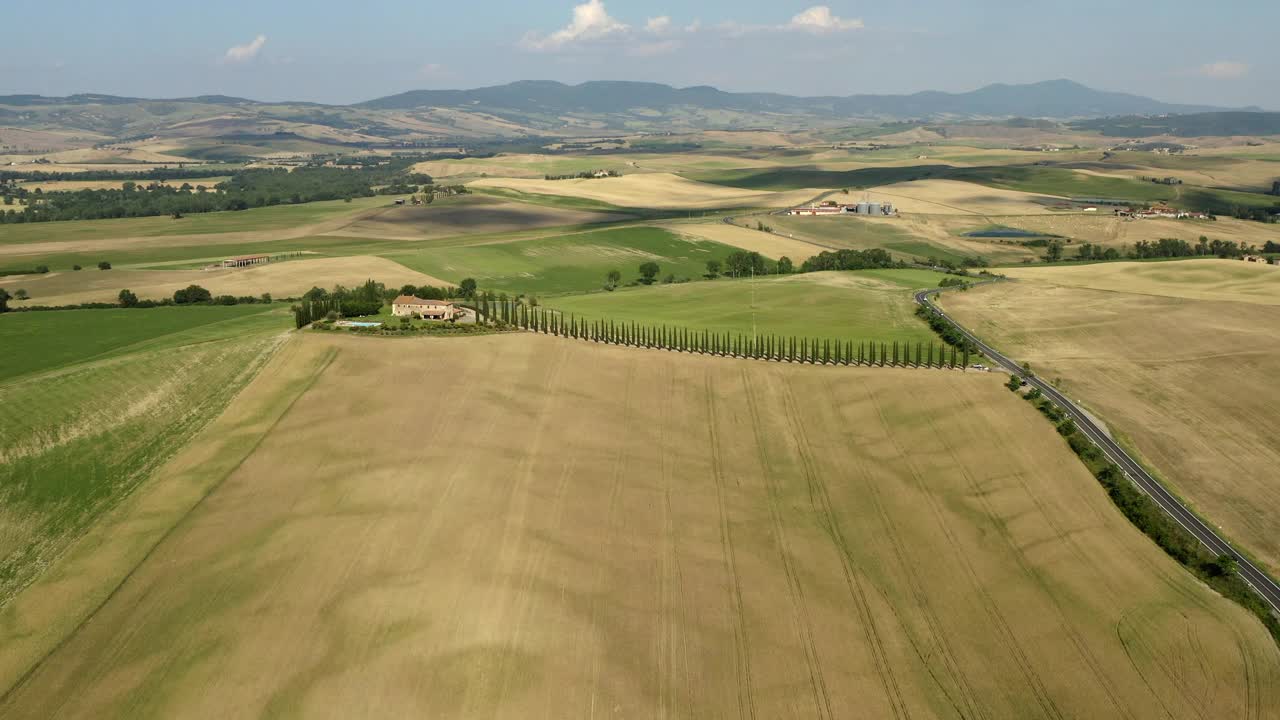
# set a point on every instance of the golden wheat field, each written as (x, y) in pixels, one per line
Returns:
(281, 279)
(518, 526)
(956, 197)
(1179, 358)
(653, 190)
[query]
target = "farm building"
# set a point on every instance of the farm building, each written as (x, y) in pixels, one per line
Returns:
(410, 306)
(246, 261)
(832, 208)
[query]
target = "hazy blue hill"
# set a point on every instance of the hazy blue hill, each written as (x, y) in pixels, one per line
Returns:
(1053, 98)
(1208, 124)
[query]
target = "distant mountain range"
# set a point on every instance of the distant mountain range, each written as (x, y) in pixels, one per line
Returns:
(211, 127)
(1059, 99)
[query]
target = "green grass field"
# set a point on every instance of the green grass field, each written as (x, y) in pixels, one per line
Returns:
(100, 398)
(872, 305)
(54, 339)
(269, 218)
(568, 263)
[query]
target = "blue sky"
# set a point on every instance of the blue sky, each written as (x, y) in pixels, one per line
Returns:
(329, 51)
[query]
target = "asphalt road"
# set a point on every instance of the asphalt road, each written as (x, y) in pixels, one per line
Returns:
(1260, 581)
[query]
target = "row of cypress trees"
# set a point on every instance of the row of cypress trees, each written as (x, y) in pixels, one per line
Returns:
(778, 348)
(309, 311)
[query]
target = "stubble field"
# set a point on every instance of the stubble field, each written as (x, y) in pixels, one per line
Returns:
(653, 190)
(291, 278)
(1179, 358)
(566, 530)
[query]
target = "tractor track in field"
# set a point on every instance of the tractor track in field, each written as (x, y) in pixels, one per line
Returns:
(742, 640)
(802, 619)
(967, 706)
(820, 502)
(1006, 636)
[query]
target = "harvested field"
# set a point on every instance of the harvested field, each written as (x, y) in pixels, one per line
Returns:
(281, 279)
(268, 223)
(769, 245)
(956, 197)
(654, 190)
(908, 237)
(1200, 279)
(578, 529)
(469, 214)
(1190, 383)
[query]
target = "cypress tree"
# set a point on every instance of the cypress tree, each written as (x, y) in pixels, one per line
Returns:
(953, 357)
(966, 356)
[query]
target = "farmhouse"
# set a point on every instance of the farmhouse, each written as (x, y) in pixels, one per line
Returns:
(410, 306)
(246, 260)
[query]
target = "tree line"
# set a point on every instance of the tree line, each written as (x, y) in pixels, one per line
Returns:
(248, 188)
(772, 347)
(1161, 248)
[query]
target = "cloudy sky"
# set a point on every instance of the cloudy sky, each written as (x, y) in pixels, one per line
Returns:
(340, 52)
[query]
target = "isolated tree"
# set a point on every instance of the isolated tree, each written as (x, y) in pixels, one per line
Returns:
(104, 265)
(1014, 383)
(648, 271)
(1053, 253)
(467, 287)
(128, 299)
(21, 294)
(785, 265)
(75, 267)
(713, 269)
(612, 279)
(265, 298)
(42, 269)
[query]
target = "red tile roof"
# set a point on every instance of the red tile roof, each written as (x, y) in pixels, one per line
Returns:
(411, 300)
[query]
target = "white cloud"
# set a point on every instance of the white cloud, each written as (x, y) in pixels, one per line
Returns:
(1223, 70)
(432, 70)
(658, 25)
(245, 53)
(590, 22)
(818, 19)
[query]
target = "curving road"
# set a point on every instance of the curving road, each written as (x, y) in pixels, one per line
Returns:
(1257, 579)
